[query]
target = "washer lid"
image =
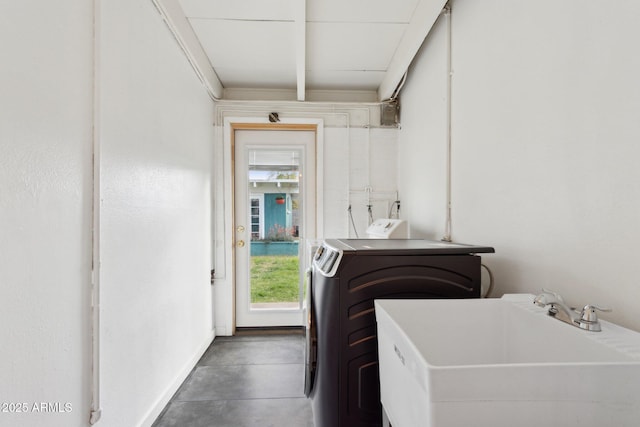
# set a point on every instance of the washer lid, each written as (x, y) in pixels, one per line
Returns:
(406, 246)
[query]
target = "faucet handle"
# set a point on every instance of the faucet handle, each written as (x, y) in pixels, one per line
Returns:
(589, 312)
(589, 319)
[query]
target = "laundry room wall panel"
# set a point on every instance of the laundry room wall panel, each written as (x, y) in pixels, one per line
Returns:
(45, 211)
(359, 159)
(156, 138)
(384, 171)
(359, 179)
(544, 137)
(372, 175)
(337, 151)
(422, 148)
(384, 159)
(366, 175)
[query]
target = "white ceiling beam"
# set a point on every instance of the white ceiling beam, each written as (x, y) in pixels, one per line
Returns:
(174, 17)
(300, 36)
(423, 19)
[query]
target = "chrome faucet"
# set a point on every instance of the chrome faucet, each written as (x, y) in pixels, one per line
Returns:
(584, 319)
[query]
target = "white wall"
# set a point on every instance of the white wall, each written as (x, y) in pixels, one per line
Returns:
(45, 209)
(422, 149)
(156, 138)
(155, 123)
(359, 169)
(545, 131)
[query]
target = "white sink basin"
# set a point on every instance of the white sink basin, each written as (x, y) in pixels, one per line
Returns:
(502, 362)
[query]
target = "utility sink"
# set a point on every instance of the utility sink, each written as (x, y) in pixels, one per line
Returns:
(502, 362)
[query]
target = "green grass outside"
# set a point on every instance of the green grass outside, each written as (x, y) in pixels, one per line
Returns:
(274, 278)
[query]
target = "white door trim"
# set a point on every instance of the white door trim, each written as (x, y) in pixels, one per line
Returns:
(225, 283)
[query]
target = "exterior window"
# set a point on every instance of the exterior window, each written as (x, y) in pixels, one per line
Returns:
(257, 221)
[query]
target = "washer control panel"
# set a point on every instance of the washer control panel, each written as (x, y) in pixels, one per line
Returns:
(327, 259)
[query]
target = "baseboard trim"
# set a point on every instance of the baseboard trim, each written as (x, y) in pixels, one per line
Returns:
(278, 330)
(171, 390)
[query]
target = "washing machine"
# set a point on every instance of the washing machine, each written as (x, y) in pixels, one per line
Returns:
(347, 275)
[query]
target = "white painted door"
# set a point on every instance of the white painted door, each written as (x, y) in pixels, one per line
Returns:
(274, 214)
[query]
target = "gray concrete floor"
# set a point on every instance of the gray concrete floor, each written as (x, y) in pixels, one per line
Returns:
(250, 380)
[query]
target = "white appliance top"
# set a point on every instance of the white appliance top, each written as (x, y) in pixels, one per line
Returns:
(406, 246)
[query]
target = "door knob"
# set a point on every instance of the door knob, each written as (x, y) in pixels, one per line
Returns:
(240, 228)
(240, 243)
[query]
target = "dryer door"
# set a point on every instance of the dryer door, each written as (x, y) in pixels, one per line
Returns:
(311, 338)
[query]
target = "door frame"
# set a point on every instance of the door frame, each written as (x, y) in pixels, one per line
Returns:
(300, 138)
(225, 229)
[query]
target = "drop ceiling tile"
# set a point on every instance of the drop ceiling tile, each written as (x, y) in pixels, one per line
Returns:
(270, 10)
(399, 11)
(352, 46)
(247, 44)
(344, 80)
(257, 78)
